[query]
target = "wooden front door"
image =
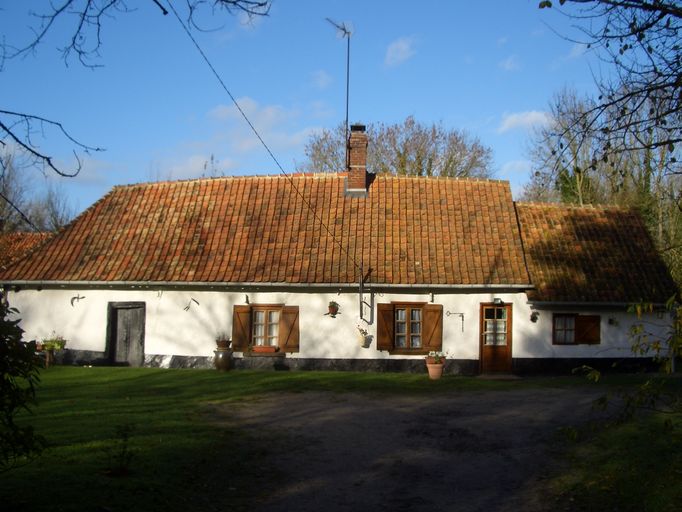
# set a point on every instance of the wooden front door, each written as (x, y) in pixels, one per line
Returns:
(495, 338)
(125, 333)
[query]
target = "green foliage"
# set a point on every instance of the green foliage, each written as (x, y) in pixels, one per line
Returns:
(19, 369)
(53, 342)
(634, 467)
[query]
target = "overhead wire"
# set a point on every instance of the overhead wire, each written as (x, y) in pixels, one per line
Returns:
(258, 136)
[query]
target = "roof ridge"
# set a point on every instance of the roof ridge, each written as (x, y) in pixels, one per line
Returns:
(317, 175)
(541, 204)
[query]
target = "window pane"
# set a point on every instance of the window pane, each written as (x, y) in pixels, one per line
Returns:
(501, 326)
(501, 313)
(570, 322)
(400, 315)
(415, 315)
(569, 336)
(400, 341)
(258, 330)
(489, 313)
(272, 341)
(415, 328)
(416, 341)
(259, 317)
(400, 328)
(273, 329)
(559, 322)
(273, 316)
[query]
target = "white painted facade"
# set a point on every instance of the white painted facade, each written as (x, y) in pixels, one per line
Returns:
(185, 323)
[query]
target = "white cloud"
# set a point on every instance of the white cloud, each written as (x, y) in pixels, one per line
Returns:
(279, 127)
(399, 51)
(577, 51)
(511, 63)
(523, 120)
(321, 79)
(515, 167)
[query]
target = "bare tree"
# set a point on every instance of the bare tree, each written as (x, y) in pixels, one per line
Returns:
(407, 148)
(22, 207)
(637, 178)
(87, 19)
(639, 42)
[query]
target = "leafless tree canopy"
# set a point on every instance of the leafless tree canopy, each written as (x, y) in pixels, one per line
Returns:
(87, 19)
(637, 178)
(640, 100)
(407, 148)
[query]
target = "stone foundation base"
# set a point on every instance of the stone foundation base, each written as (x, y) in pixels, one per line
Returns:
(280, 362)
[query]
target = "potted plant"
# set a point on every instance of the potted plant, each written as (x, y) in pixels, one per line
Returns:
(434, 364)
(222, 341)
(333, 308)
(363, 337)
(52, 343)
(223, 353)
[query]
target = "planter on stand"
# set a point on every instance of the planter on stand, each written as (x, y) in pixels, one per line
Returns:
(223, 359)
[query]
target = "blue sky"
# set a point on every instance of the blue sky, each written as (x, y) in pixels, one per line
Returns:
(489, 67)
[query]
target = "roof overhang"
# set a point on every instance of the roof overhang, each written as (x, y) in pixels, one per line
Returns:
(213, 286)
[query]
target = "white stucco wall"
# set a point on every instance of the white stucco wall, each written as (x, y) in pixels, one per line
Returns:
(172, 330)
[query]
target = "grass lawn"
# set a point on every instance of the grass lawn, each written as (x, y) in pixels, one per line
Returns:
(175, 464)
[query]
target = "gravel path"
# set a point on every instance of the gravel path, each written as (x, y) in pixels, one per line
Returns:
(466, 451)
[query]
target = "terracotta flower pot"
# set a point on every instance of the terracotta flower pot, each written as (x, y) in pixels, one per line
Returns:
(435, 370)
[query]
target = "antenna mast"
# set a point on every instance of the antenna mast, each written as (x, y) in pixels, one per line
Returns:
(344, 31)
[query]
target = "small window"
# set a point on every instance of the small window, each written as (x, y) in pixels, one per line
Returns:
(573, 329)
(495, 325)
(265, 325)
(409, 328)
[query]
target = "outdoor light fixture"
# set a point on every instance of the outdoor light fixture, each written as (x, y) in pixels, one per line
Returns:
(534, 316)
(497, 301)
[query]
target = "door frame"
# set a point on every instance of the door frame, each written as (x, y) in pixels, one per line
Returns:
(508, 363)
(112, 308)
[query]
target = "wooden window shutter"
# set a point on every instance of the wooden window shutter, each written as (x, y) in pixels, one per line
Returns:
(433, 327)
(587, 329)
(288, 329)
(241, 327)
(385, 327)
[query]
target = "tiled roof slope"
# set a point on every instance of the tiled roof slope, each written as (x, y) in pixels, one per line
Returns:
(17, 244)
(591, 254)
(258, 229)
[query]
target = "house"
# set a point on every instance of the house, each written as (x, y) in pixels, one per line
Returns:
(151, 273)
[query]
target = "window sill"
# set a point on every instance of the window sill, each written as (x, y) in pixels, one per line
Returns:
(264, 354)
(408, 352)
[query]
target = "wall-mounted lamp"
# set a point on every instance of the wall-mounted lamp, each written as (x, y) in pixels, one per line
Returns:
(534, 316)
(497, 301)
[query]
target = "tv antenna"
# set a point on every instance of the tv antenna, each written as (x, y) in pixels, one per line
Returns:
(343, 30)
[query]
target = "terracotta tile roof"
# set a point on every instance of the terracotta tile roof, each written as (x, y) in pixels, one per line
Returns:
(407, 230)
(15, 245)
(591, 254)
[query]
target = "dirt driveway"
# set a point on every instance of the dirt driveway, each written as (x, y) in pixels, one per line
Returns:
(464, 451)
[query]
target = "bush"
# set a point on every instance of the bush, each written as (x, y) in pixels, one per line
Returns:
(19, 368)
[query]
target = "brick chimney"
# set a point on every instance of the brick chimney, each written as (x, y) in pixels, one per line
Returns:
(357, 160)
